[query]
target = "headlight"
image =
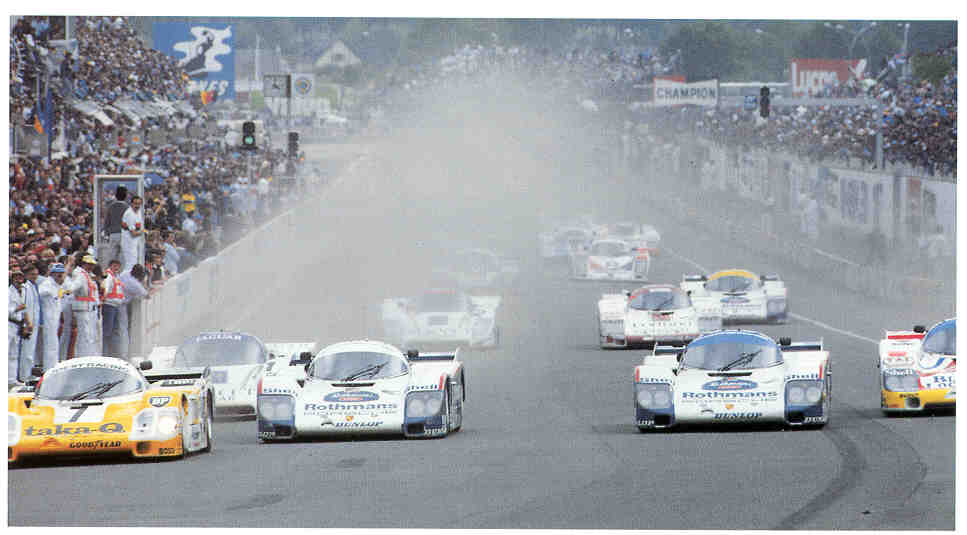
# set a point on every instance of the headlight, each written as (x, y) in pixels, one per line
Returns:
(167, 424)
(144, 420)
(901, 383)
(13, 430)
(813, 394)
(424, 404)
(795, 394)
(654, 396)
(804, 392)
(275, 407)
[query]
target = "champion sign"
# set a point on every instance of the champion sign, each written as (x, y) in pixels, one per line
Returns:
(671, 93)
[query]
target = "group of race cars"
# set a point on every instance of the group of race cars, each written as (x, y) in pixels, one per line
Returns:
(695, 372)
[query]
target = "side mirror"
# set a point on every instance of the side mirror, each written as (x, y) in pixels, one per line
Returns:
(688, 293)
(37, 371)
(412, 353)
(785, 340)
(919, 329)
(305, 355)
(145, 365)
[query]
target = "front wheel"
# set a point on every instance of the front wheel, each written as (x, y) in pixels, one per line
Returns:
(209, 428)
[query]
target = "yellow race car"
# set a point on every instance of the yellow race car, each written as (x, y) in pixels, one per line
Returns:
(106, 406)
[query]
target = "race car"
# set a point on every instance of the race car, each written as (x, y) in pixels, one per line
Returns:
(442, 319)
(733, 376)
(918, 369)
(610, 259)
(738, 296)
(656, 313)
(364, 387)
(474, 270)
(563, 242)
(236, 359)
(638, 236)
(90, 406)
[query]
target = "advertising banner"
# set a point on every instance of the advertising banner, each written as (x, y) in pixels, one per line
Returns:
(811, 76)
(205, 51)
(673, 93)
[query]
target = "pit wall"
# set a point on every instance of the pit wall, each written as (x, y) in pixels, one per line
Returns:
(222, 290)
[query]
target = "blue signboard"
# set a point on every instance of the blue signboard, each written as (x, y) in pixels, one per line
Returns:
(751, 102)
(205, 51)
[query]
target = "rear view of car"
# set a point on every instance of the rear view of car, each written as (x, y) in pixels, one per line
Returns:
(611, 260)
(657, 313)
(739, 296)
(918, 369)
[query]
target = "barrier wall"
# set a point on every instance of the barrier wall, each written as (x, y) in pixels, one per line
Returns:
(852, 199)
(223, 289)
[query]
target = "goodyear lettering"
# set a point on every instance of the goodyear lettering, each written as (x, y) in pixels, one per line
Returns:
(59, 429)
(737, 415)
(729, 395)
(96, 444)
(355, 406)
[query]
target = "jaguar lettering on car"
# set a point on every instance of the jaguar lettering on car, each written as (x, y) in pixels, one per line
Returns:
(352, 397)
(59, 429)
(730, 384)
(177, 382)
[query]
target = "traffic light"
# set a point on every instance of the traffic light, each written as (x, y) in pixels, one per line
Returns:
(764, 102)
(293, 144)
(248, 135)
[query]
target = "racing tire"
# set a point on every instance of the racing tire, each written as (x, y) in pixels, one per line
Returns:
(209, 428)
(446, 412)
(460, 425)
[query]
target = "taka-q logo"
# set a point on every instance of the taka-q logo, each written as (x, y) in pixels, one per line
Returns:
(200, 52)
(110, 427)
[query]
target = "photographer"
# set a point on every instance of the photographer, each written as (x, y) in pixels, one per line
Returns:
(19, 327)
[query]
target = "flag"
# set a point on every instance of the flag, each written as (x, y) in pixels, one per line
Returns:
(207, 97)
(37, 126)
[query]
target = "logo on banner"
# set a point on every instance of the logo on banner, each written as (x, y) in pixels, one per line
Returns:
(302, 85)
(201, 53)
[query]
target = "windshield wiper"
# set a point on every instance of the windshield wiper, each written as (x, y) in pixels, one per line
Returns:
(663, 303)
(743, 359)
(368, 370)
(100, 389)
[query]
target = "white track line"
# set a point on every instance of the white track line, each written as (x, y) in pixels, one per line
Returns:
(793, 315)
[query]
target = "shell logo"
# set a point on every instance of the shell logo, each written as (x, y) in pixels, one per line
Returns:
(729, 406)
(349, 418)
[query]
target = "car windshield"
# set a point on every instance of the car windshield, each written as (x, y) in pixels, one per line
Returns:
(89, 381)
(731, 351)
(659, 300)
(219, 349)
(609, 248)
(730, 283)
(942, 339)
(358, 365)
(440, 302)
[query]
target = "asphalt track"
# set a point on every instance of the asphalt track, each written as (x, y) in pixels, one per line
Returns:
(548, 440)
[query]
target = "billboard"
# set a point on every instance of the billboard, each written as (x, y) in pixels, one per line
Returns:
(672, 92)
(205, 51)
(811, 76)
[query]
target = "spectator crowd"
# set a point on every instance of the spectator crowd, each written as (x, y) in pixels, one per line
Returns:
(198, 194)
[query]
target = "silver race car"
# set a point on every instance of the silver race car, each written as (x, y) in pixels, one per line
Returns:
(442, 319)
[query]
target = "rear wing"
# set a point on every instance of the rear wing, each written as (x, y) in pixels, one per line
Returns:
(668, 350)
(415, 356)
(905, 335)
(290, 349)
(694, 278)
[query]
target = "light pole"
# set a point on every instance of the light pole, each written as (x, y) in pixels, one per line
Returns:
(856, 34)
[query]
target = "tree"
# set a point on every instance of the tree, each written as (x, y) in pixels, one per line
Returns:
(930, 67)
(708, 50)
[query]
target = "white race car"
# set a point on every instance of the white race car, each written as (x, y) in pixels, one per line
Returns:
(562, 242)
(656, 313)
(442, 320)
(733, 376)
(237, 361)
(738, 296)
(638, 236)
(474, 270)
(918, 369)
(362, 387)
(611, 259)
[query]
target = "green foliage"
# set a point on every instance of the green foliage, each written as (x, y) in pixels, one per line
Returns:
(933, 68)
(709, 50)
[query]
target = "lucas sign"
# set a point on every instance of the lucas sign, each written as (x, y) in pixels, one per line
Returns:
(672, 93)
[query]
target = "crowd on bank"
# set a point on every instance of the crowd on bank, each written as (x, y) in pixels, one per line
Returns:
(199, 198)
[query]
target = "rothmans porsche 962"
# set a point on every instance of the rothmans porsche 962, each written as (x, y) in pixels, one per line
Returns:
(733, 376)
(363, 387)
